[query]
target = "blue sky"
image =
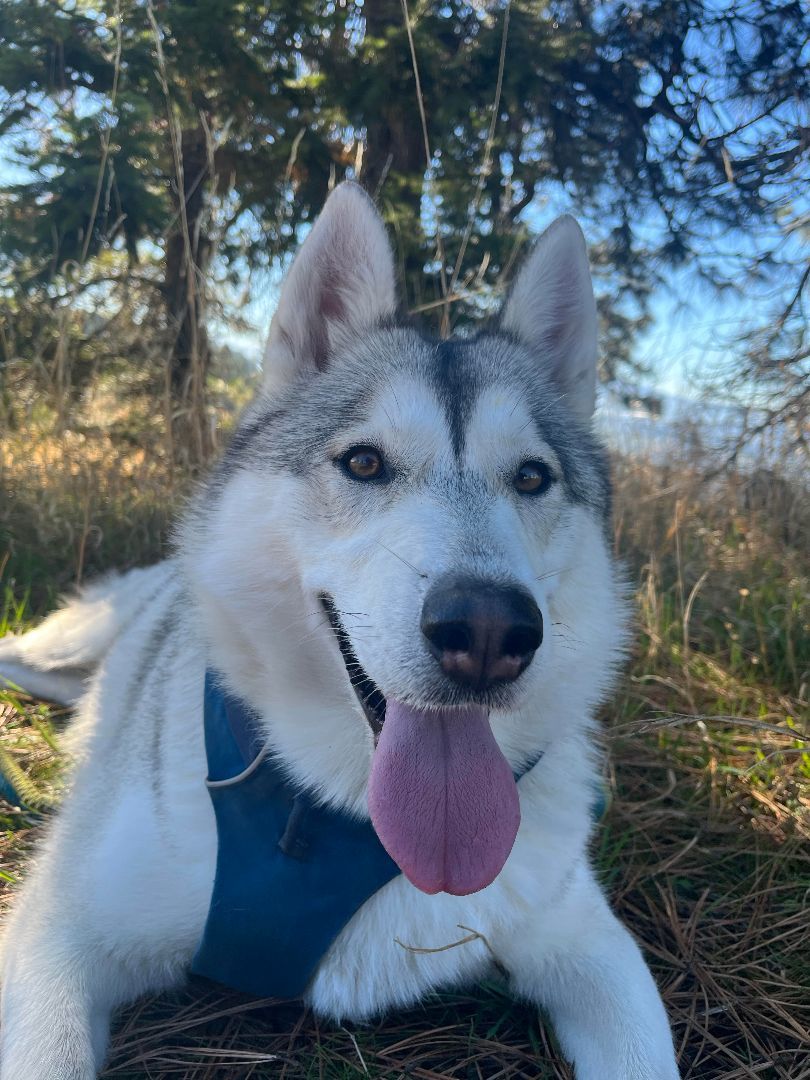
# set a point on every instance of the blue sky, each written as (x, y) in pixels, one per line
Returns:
(689, 327)
(691, 330)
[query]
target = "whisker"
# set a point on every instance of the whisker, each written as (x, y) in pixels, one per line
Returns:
(311, 635)
(390, 551)
(570, 636)
(299, 619)
(393, 391)
(550, 573)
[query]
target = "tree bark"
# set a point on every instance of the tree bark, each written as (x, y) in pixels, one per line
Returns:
(394, 154)
(188, 252)
(394, 142)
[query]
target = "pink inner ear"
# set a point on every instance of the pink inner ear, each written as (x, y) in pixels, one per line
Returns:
(562, 332)
(330, 306)
(319, 345)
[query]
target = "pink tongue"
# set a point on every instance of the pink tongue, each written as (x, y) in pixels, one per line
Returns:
(442, 797)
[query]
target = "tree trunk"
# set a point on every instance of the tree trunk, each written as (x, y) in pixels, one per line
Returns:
(188, 251)
(187, 257)
(394, 155)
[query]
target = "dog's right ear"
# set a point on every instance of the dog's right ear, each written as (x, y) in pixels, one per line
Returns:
(551, 308)
(341, 282)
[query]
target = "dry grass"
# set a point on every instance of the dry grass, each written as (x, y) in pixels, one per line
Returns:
(704, 848)
(100, 495)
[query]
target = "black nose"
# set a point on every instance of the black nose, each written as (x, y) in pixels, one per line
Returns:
(481, 633)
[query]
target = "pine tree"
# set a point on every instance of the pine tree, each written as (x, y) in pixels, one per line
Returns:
(133, 121)
(180, 132)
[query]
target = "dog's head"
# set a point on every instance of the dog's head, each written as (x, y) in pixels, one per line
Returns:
(417, 527)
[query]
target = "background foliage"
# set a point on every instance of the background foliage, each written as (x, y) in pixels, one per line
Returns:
(157, 153)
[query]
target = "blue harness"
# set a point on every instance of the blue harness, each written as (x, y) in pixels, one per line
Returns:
(290, 874)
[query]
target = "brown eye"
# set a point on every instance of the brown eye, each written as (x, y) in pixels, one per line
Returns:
(533, 478)
(363, 463)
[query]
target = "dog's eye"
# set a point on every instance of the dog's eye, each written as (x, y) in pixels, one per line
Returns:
(363, 463)
(533, 478)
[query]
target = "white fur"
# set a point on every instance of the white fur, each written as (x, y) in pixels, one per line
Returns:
(55, 661)
(116, 903)
(342, 281)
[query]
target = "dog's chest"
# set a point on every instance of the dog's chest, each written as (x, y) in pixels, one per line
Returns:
(161, 855)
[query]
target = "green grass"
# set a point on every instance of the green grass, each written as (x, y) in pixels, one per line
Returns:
(703, 849)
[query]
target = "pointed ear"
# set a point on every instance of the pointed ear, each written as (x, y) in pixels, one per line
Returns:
(341, 282)
(551, 308)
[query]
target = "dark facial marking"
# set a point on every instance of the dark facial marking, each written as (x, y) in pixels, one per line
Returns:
(583, 461)
(285, 435)
(456, 386)
(247, 434)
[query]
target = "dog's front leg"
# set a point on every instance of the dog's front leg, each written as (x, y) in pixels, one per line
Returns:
(64, 972)
(56, 1003)
(583, 967)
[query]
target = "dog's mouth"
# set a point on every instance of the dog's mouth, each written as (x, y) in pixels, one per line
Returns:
(371, 698)
(441, 795)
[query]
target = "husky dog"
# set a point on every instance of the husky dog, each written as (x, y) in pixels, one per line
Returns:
(402, 565)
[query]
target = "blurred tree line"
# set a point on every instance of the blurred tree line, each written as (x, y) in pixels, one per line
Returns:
(157, 151)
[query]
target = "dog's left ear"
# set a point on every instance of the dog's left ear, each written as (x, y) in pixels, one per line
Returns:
(551, 308)
(341, 282)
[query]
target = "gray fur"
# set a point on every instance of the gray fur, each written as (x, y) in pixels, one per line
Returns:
(291, 433)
